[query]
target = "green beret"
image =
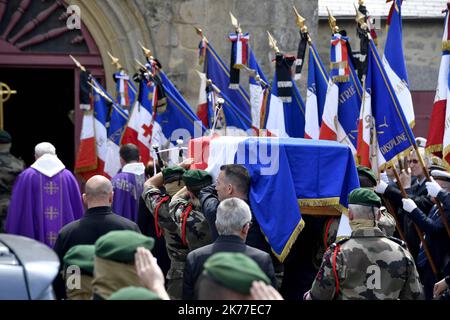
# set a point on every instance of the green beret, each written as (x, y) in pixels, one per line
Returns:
(196, 179)
(82, 256)
(235, 271)
(368, 173)
(5, 137)
(120, 246)
(134, 293)
(172, 174)
(364, 197)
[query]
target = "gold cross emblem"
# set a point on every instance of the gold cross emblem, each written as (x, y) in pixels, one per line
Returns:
(51, 213)
(51, 237)
(51, 188)
(5, 94)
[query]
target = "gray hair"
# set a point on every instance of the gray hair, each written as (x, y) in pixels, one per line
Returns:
(232, 215)
(363, 212)
(43, 148)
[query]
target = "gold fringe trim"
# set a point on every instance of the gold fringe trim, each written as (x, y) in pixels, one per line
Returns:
(338, 65)
(341, 78)
(444, 154)
(394, 160)
(446, 45)
(433, 148)
(291, 241)
(320, 202)
(86, 169)
(412, 124)
(324, 202)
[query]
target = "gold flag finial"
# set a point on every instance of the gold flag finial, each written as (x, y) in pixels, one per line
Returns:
(77, 63)
(235, 23)
(200, 33)
(140, 64)
(273, 42)
(300, 21)
(147, 52)
(332, 22)
(360, 19)
(115, 61)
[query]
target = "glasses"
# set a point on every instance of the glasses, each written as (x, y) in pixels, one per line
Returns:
(413, 161)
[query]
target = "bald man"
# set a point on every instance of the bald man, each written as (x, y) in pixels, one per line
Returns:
(97, 221)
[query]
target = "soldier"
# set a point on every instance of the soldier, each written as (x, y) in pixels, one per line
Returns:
(81, 256)
(386, 223)
(368, 265)
(229, 276)
(157, 201)
(10, 167)
(185, 209)
(114, 262)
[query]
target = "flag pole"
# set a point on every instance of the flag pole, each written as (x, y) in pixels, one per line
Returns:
(427, 176)
(419, 232)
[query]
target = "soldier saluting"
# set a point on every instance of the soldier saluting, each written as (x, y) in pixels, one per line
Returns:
(368, 265)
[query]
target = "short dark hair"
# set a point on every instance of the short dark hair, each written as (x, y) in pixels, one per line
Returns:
(238, 176)
(150, 169)
(129, 152)
(365, 182)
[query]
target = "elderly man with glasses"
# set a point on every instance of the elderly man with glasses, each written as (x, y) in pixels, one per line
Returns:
(233, 222)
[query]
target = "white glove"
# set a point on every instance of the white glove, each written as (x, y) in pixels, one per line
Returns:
(384, 177)
(381, 187)
(433, 188)
(409, 205)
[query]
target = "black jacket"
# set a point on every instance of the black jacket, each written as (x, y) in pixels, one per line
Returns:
(196, 259)
(146, 223)
(95, 223)
(209, 203)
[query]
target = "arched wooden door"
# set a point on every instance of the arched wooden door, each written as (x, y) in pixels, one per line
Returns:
(35, 44)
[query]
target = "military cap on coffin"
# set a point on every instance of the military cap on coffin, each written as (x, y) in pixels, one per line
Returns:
(364, 197)
(172, 174)
(82, 256)
(440, 175)
(120, 246)
(234, 271)
(196, 179)
(134, 293)
(5, 137)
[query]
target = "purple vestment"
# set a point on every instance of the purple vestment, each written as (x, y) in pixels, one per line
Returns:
(128, 187)
(41, 205)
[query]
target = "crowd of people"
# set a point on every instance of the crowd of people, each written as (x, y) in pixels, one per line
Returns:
(174, 233)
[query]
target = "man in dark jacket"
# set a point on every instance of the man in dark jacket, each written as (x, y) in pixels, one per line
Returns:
(233, 182)
(435, 233)
(232, 223)
(97, 221)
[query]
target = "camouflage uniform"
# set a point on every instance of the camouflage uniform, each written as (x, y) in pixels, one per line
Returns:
(177, 252)
(193, 227)
(10, 167)
(368, 265)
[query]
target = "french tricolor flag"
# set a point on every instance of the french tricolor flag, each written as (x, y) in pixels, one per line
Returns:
(394, 61)
(315, 97)
(438, 140)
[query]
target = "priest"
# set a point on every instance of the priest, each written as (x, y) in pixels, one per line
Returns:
(128, 184)
(45, 197)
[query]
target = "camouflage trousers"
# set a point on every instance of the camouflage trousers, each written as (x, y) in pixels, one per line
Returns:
(175, 280)
(4, 203)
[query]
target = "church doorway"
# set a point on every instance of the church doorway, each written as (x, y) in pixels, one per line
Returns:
(42, 110)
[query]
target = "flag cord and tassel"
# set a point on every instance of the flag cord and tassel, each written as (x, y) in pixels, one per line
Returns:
(427, 176)
(419, 232)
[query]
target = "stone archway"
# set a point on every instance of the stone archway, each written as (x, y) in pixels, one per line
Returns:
(116, 26)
